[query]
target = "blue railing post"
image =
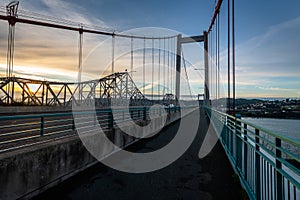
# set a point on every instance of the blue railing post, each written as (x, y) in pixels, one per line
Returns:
(238, 142)
(73, 123)
(231, 137)
(278, 167)
(257, 165)
(110, 119)
(42, 126)
(145, 114)
(95, 119)
(226, 132)
(245, 152)
(264, 175)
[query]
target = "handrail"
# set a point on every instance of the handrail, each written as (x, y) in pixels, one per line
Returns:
(260, 157)
(28, 128)
(265, 130)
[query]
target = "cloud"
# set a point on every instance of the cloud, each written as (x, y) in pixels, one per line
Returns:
(42, 47)
(274, 88)
(270, 61)
(278, 48)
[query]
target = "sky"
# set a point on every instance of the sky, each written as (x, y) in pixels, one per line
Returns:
(267, 41)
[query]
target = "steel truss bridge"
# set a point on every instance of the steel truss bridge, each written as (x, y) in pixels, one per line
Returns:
(115, 86)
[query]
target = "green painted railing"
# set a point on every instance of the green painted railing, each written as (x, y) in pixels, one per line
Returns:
(20, 130)
(267, 163)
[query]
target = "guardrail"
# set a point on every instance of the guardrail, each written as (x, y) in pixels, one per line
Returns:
(268, 163)
(20, 130)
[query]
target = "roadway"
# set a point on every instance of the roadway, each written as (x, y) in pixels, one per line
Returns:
(187, 178)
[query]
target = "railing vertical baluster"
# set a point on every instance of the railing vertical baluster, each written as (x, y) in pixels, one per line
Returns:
(42, 126)
(238, 142)
(110, 119)
(231, 137)
(73, 123)
(278, 177)
(145, 114)
(269, 184)
(294, 188)
(139, 115)
(288, 189)
(257, 165)
(265, 178)
(245, 152)
(271, 181)
(227, 132)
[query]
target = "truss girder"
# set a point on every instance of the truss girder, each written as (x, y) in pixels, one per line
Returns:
(115, 86)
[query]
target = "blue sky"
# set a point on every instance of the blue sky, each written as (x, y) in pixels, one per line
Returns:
(267, 33)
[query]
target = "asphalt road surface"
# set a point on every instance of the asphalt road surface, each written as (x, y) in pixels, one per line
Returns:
(187, 178)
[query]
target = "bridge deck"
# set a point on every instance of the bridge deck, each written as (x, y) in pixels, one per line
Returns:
(187, 178)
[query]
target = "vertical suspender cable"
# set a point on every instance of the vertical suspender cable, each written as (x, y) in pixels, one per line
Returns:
(219, 55)
(164, 67)
(211, 61)
(159, 68)
(8, 52)
(174, 61)
(210, 58)
(10, 58)
(228, 53)
(113, 64)
(113, 55)
(209, 65)
(144, 67)
(131, 64)
(8, 62)
(186, 75)
(175, 57)
(216, 58)
(233, 58)
(171, 63)
(80, 63)
(168, 72)
(152, 71)
(12, 50)
(80, 55)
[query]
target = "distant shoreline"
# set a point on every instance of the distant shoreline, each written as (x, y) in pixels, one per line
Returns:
(270, 116)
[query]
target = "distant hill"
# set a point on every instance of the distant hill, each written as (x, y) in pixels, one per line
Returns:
(241, 101)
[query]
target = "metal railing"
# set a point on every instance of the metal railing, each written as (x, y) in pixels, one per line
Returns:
(20, 130)
(267, 163)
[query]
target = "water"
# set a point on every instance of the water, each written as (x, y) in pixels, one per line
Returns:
(287, 127)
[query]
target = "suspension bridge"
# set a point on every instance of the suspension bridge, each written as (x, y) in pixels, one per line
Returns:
(40, 120)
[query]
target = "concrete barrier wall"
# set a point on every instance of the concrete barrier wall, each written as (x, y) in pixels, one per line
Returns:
(28, 171)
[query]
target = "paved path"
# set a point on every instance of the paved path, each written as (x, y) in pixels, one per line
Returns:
(187, 178)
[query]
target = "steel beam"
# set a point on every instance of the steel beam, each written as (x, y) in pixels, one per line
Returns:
(206, 81)
(178, 66)
(192, 39)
